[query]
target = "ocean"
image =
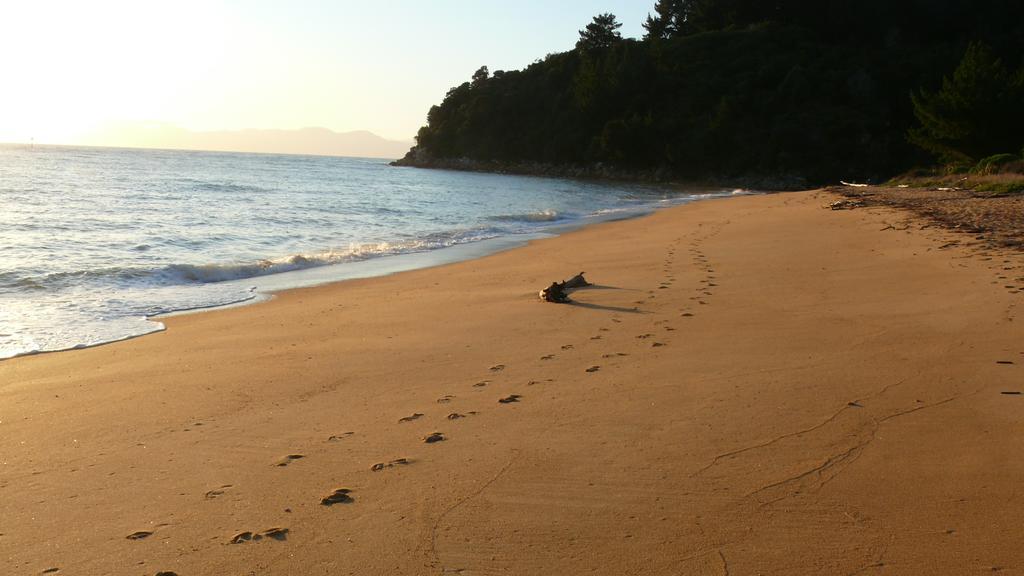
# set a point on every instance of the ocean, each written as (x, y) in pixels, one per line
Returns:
(97, 243)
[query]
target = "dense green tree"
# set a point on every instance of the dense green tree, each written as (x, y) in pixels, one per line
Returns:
(817, 90)
(666, 20)
(603, 32)
(480, 76)
(979, 111)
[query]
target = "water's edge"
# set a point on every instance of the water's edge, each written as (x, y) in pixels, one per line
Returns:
(264, 288)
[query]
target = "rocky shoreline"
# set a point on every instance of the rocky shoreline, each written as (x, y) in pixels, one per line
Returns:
(599, 171)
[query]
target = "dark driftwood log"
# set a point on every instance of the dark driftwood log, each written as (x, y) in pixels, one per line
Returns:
(559, 291)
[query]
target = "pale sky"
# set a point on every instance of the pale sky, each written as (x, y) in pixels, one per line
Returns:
(71, 67)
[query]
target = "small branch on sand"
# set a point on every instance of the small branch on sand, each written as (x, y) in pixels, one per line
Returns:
(559, 291)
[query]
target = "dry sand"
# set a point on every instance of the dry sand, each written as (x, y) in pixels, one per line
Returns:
(834, 405)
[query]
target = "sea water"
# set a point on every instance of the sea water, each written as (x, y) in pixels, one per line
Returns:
(95, 242)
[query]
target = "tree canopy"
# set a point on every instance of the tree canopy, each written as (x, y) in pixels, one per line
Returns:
(720, 88)
(603, 32)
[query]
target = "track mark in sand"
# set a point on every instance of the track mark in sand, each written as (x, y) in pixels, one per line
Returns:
(445, 399)
(602, 329)
(497, 368)
(567, 347)
(289, 459)
(657, 344)
(548, 357)
(339, 496)
(615, 355)
(593, 369)
(397, 462)
(50, 571)
(166, 573)
(598, 337)
(1004, 361)
(481, 383)
(337, 437)
(644, 336)
(486, 485)
(532, 383)
(414, 416)
(434, 437)
(140, 535)
(456, 415)
(616, 320)
(509, 399)
(687, 314)
(217, 492)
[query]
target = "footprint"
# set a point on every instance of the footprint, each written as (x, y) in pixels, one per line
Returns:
(166, 573)
(212, 494)
(338, 437)
(497, 368)
(602, 329)
(455, 416)
(140, 535)
(382, 465)
(598, 337)
(339, 496)
(481, 383)
(547, 357)
(509, 399)
(669, 329)
(687, 314)
(644, 336)
(434, 437)
(279, 534)
(415, 415)
(567, 347)
(50, 571)
(445, 399)
(657, 344)
(289, 459)
(593, 369)
(616, 320)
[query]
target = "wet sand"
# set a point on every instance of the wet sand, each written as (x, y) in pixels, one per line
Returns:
(755, 386)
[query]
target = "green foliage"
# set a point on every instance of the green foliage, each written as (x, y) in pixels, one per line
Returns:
(725, 88)
(667, 20)
(977, 112)
(992, 164)
(603, 32)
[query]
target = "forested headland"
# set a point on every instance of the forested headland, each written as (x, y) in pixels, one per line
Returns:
(789, 91)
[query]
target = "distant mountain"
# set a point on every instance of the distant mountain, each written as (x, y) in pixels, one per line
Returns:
(316, 141)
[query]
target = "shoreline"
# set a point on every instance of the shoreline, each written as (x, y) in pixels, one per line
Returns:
(600, 172)
(760, 383)
(264, 287)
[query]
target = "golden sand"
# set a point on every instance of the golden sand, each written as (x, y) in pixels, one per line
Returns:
(754, 386)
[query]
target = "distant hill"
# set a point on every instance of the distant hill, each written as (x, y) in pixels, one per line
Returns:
(316, 141)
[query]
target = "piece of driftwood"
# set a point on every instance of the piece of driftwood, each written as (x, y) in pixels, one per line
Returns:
(559, 291)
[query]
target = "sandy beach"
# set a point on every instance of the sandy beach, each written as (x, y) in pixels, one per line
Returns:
(755, 385)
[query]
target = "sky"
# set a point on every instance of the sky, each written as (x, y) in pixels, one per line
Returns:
(71, 68)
